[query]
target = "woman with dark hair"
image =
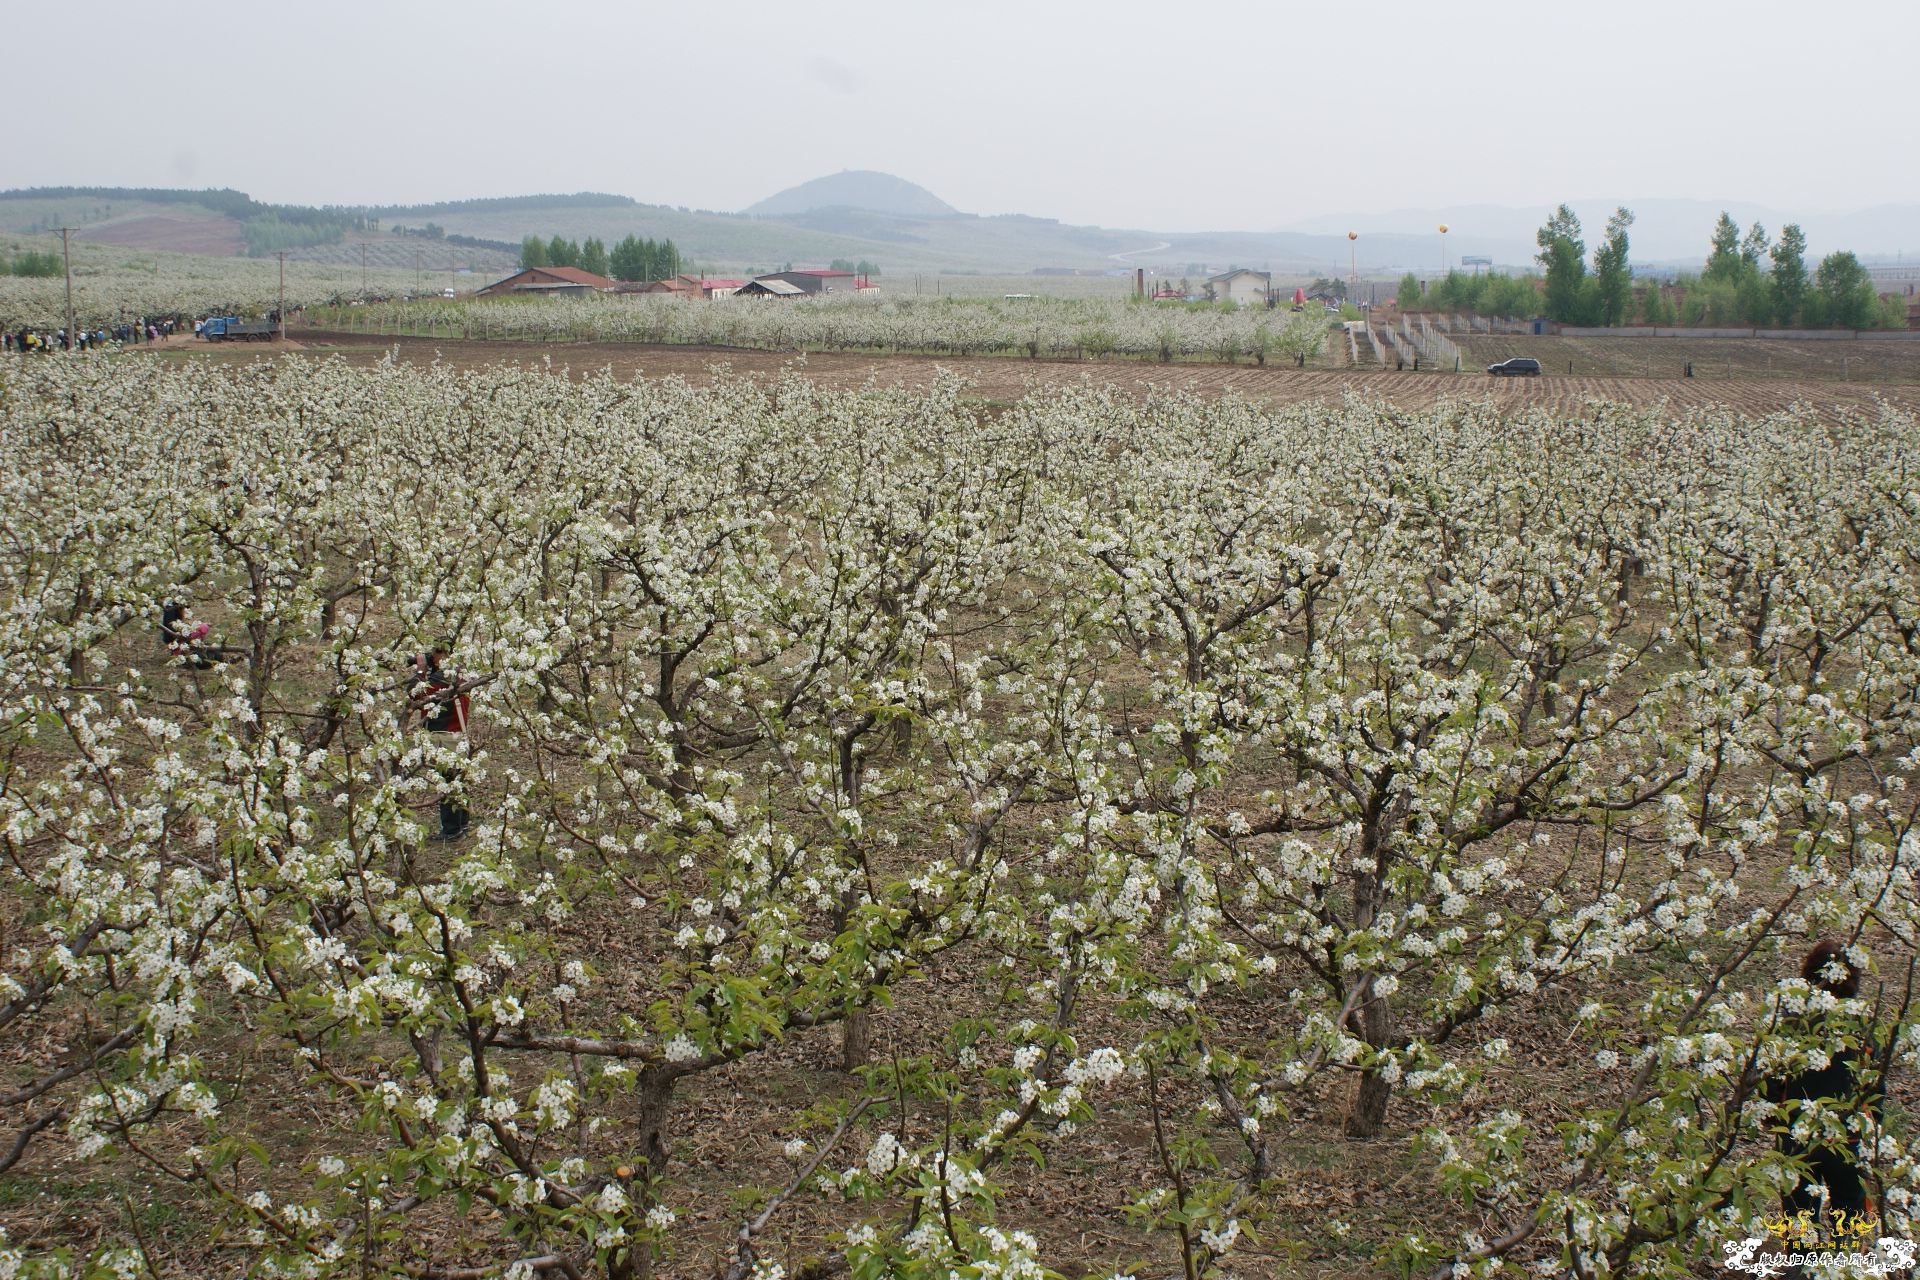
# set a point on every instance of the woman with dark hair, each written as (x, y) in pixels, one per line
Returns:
(443, 708)
(1849, 1082)
(183, 636)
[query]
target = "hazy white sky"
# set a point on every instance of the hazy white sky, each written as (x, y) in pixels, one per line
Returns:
(1160, 115)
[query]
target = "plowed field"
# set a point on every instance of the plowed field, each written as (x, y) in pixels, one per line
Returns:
(1711, 358)
(213, 237)
(1004, 379)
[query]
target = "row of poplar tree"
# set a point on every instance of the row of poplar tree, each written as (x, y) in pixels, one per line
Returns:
(631, 259)
(1748, 280)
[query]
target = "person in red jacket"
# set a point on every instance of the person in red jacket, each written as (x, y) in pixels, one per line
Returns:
(186, 637)
(443, 709)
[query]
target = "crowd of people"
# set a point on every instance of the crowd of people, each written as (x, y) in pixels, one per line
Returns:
(28, 340)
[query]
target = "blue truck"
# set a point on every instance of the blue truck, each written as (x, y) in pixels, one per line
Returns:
(234, 329)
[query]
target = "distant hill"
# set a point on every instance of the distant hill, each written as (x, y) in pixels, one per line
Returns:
(855, 189)
(504, 204)
(227, 223)
(483, 235)
(851, 216)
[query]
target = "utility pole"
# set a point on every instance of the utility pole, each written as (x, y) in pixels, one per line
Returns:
(66, 252)
(416, 273)
(363, 269)
(282, 313)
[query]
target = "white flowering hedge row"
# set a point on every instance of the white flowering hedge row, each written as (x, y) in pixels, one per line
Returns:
(112, 283)
(1231, 761)
(1040, 327)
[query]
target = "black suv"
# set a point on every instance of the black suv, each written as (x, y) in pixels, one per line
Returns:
(1518, 367)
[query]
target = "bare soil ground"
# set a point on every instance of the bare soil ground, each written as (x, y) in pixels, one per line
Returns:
(211, 237)
(1001, 379)
(1711, 358)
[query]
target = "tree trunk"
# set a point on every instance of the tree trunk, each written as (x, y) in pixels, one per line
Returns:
(1367, 1114)
(856, 1033)
(856, 1039)
(654, 1094)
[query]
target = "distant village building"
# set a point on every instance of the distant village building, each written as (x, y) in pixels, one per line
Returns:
(1249, 288)
(564, 281)
(684, 286)
(811, 280)
(675, 286)
(1901, 278)
(776, 284)
(769, 287)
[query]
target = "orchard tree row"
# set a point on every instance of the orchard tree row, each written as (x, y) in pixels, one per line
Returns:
(895, 819)
(1032, 327)
(112, 284)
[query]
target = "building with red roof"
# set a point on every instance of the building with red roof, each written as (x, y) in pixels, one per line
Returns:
(676, 286)
(548, 280)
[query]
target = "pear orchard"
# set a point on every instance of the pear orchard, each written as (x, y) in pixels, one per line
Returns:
(1098, 774)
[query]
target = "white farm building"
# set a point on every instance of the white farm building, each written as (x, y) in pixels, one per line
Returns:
(1248, 288)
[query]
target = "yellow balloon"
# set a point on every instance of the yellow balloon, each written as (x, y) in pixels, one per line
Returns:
(1443, 228)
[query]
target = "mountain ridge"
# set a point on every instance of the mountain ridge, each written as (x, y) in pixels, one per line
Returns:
(486, 229)
(867, 190)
